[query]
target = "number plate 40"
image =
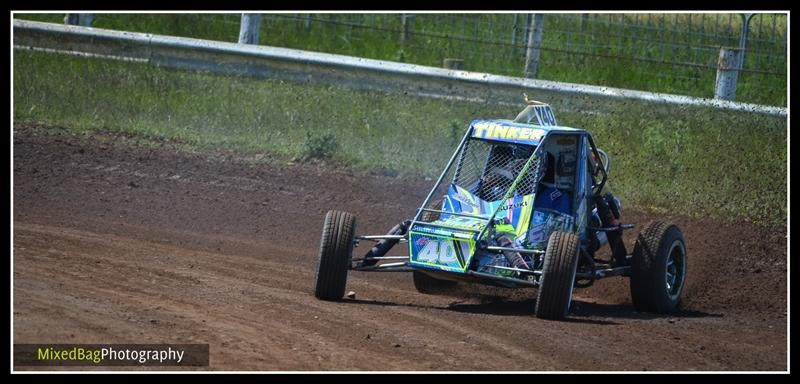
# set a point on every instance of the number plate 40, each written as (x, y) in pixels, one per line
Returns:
(438, 252)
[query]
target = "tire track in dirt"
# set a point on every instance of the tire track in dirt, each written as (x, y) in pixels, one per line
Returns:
(116, 242)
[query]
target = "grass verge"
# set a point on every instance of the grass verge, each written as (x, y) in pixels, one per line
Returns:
(597, 50)
(685, 160)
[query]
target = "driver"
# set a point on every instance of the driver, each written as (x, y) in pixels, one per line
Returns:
(501, 176)
(519, 156)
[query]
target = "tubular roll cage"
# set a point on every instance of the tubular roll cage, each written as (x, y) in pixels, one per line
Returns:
(511, 189)
(479, 276)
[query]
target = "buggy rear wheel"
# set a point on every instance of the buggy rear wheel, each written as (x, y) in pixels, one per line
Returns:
(335, 254)
(431, 285)
(558, 276)
(658, 268)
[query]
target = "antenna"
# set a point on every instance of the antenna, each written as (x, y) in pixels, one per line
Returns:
(531, 101)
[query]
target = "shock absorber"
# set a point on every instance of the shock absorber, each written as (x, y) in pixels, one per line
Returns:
(385, 245)
(514, 258)
(608, 219)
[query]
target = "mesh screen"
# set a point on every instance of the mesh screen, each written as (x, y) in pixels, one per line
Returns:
(487, 170)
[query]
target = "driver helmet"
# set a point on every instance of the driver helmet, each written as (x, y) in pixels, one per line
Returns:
(521, 152)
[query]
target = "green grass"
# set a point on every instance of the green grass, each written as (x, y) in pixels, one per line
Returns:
(602, 40)
(685, 160)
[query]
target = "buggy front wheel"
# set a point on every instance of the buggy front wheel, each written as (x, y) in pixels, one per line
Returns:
(335, 255)
(558, 276)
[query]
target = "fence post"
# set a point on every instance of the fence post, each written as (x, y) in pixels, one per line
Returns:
(534, 44)
(82, 19)
(453, 64)
(514, 33)
(405, 21)
(727, 73)
(584, 20)
(249, 28)
(746, 17)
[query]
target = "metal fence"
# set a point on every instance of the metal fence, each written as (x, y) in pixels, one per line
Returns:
(230, 58)
(691, 40)
(657, 52)
(676, 53)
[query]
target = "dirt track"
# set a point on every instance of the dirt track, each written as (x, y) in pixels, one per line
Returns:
(119, 243)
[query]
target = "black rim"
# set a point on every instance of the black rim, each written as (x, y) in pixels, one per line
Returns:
(676, 269)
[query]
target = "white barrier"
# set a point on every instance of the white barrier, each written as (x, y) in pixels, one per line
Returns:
(306, 66)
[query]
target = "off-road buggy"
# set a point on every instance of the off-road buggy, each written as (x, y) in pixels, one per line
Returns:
(519, 204)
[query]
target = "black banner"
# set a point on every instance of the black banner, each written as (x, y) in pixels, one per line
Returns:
(159, 355)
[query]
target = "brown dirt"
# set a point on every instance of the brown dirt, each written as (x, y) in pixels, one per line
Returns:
(116, 242)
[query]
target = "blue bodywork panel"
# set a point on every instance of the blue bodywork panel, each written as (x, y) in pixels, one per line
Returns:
(511, 132)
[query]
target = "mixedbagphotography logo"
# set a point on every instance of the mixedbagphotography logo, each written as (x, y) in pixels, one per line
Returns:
(111, 354)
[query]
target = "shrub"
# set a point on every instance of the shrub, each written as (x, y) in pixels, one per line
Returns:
(319, 146)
